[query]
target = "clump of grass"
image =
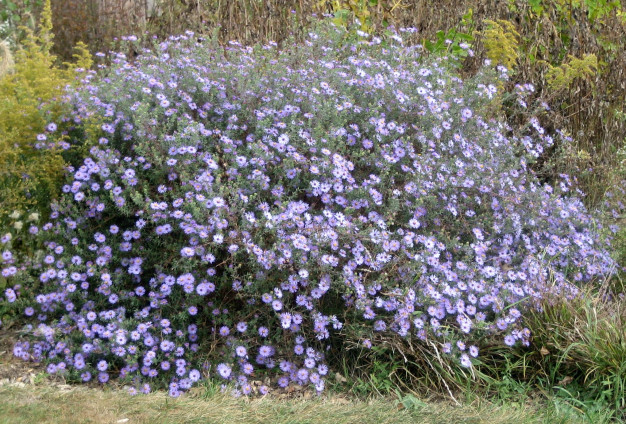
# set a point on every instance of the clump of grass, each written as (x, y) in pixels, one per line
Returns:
(394, 364)
(583, 342)
(577, 356)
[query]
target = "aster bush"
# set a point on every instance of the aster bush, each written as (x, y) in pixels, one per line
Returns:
(244, 208)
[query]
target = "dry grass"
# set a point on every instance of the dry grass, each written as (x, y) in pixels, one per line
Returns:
(6, 58)
(64, 404)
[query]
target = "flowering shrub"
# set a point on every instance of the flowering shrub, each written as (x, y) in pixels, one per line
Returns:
(243, 204)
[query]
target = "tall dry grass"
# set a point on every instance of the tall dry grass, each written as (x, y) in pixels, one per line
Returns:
(6, 58)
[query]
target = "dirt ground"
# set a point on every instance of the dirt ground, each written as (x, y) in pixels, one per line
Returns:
(14, 370)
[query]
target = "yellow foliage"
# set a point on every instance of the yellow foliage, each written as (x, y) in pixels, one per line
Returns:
(501, 42)
(82, 57)
(29, 99)
(561, 77)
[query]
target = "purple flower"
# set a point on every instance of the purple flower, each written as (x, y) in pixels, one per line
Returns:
(187, 252)
(465, 361)
(224, 370)
(265, 351)
(509, 340)
(194, 375)
(473, 351)
(10, 295)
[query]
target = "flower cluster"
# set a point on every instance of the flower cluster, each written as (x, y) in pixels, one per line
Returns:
(242, 204)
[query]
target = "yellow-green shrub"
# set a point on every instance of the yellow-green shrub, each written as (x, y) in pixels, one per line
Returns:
(501, 42)
(30, 98)
(561, 77)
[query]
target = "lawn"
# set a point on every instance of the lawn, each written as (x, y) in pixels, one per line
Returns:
(45, 403)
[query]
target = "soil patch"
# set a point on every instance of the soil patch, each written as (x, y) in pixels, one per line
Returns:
(14, 370)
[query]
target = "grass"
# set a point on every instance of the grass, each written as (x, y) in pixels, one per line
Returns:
(44, 403)
(585, 340)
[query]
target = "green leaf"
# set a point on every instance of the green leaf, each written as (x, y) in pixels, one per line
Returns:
(536, 6)
(468, 15)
